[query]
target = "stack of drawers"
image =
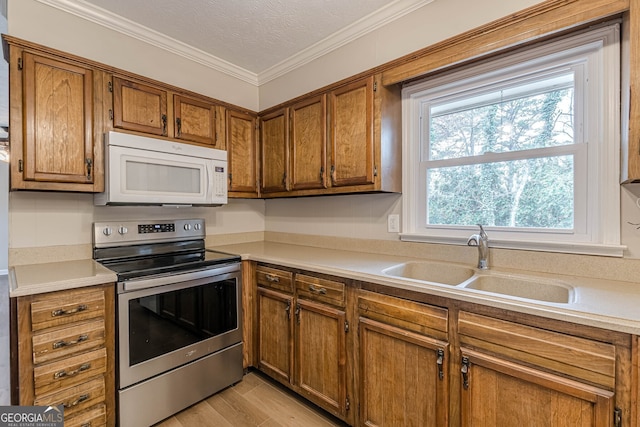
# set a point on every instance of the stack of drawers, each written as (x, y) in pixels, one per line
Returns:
(65, 336)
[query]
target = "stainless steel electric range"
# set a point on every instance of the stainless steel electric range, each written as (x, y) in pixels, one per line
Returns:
(178, 316)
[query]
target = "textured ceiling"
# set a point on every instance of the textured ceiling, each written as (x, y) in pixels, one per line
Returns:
(251, 34)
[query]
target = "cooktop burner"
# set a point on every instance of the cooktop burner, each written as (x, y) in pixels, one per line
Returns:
(138, 249)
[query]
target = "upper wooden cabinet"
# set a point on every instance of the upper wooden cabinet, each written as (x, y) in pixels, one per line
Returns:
(351, 130)
(139, 107)
(55, 116)
(195, 120)
(242, 153)
(274, 144)
(309, 143)
(145, 108)
(357, 126)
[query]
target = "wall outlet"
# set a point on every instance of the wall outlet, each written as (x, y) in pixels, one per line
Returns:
(393, 223)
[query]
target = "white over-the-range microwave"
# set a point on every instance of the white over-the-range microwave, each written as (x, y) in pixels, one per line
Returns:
(148, 171)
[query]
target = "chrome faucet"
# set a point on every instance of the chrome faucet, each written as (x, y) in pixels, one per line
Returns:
(481, 240)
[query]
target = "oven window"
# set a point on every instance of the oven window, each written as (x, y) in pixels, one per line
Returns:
(162, 323)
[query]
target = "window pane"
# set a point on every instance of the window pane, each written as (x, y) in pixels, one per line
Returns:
(535, 115)
(530, 193)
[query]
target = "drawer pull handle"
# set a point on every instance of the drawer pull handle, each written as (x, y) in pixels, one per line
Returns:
(60, 344)
(61, 312)
(76, 402)
(86, 424)
(65, 374)
(321, 291)
(271, 278)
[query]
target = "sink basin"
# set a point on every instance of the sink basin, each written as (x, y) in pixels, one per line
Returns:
(539, 290)
(435, 272)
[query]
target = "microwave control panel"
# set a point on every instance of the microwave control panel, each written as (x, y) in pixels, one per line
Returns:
(219, 181)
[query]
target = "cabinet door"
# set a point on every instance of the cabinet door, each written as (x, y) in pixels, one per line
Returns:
(352, 152)
(403, 377)
(321, 355)
(139, 107)
(195, 120)
(58, 121)
(274, 137)
(242, 152)
(308, 143)
(275, 334)
(496, 392)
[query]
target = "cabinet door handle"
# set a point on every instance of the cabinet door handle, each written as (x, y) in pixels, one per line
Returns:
(78, 401)
(440, 363)
(62, 312)
(333, 175)
(465, 372)
(288, 309)
(179, 125)
(164, 124)
(60, 344)
(272, 278)
(298, 313)
(65, 374)
(321, 291)
(89, 164)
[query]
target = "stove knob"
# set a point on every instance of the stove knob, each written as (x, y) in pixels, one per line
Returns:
(122, 230)
(107, 231)
(187, 227)
(197, 227)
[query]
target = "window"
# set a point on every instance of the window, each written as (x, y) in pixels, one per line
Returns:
(526, 145)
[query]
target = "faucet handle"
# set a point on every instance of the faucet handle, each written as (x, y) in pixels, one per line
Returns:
(482, 233)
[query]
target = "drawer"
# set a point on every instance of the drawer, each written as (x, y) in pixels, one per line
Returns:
(55, 309)
(55, 376)
(322, 290)
(577, 357)
(80, 337)
(94, 417)
(409, 315)
(75, 399)
(275, 279)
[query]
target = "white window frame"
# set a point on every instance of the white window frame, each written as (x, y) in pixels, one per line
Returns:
(597, 190)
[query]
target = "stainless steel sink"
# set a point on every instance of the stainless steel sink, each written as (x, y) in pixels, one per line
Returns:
(531, 289)
(434, 272)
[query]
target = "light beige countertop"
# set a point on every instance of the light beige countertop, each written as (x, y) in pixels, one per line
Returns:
(607, 304)
(56, 276)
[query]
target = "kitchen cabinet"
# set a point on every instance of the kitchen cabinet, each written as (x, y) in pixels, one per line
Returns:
(513, 373)
(139, 107)
(145, 108)
(355, 126)
(242, 151)
(403, 362)
(55, 142)
(274, 144)
(309, 143)
(302, 327)
(65, 353)
(195, 120)
(351, 130)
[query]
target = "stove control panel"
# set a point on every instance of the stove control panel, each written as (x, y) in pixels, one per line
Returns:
(135, 232)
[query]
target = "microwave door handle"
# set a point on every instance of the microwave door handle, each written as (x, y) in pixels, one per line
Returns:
(210, 183)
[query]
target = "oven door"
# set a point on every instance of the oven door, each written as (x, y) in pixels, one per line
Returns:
(163, 327)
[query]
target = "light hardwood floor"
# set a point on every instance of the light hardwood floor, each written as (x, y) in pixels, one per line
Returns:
(255, 401)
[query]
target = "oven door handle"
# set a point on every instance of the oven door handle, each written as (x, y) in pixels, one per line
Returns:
(153, 281)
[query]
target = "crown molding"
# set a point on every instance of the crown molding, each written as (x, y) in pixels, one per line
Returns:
(342, 37)
(132, 29)
(363, 26)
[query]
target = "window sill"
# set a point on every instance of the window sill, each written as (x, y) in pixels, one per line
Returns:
(559, 247)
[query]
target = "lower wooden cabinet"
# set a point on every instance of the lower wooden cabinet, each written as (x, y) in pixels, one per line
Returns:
(379, 356)
(64, 342)
(301, 342)
(403, 362)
